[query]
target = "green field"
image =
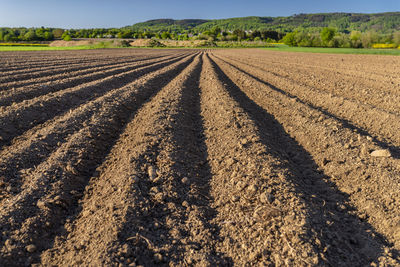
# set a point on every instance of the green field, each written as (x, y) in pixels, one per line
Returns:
(281, 47)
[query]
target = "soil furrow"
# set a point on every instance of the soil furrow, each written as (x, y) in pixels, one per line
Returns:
(153, 213)
(55, 62)
(341, 153)
(248, 185)
(31, 71)
(16, 119)
(358, 66)
(68, 72)
(215, 157)
(52, 203)
(385, 95)
(15, 96)
(15, 160)
(309, 232)
(383, 127)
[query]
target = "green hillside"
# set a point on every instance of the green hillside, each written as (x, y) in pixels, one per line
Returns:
(344, 22)
(168, 24)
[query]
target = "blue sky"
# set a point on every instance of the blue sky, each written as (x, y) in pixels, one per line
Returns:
(118, 13)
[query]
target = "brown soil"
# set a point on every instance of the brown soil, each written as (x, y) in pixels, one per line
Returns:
(83, 42)
(168, 43)
(135, 157)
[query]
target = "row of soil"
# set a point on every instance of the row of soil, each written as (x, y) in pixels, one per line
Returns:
(342, 157)
(30, 70)
(33, 65)
(382, 93)
(164, 212)
(53, 83)
(18, 78)
(148, 220)
(51, 191)
(45, 137)
(24, 61)
(362, 66)
(17, 118)
(13, 81)
(378, 124)
(195, 159)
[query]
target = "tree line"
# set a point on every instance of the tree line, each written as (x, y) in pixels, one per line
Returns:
(325, 37)
(330, 37)
(214, 34)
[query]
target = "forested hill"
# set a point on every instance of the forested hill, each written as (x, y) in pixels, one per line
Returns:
(168, 24)
(344, 22)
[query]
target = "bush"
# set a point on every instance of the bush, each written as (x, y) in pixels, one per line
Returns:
(206, 44)
(327, 35)
(290, 39)
(368, 39)
(396, 38)
(155, 43)
(67, 38)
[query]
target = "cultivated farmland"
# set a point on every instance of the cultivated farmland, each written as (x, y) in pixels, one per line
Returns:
(133, 157)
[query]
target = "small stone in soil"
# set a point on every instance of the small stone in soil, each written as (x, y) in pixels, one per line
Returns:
(158, 257)
(381, 153)
(185, 180)
(31, 248)
(152, 171)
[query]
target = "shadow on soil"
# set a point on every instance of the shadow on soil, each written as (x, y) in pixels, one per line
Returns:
(340, 237)
(42, 236)
(34, 115)
(189, 157)
(395, 150)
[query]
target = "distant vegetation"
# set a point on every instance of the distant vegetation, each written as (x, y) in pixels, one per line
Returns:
(330, 37)
(367, 51)
(346, 30)
(343, 22)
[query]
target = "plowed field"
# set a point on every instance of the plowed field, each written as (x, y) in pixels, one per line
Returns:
(126, 157)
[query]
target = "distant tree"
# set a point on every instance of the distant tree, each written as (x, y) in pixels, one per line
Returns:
(165, 35)
(48, 36)
(57, 33)
(146, 34)
(255, 34)
(270, 34)
(303, 39)
(215, 31)
(396, 38)
(327, 34)
(290, 39)
(369, 38)
(355, 39)
(7, 37)
(67, 37)
(11, 35)
(241, 35)
(30, 35)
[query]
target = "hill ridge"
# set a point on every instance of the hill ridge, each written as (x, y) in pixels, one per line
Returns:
(384, 22)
